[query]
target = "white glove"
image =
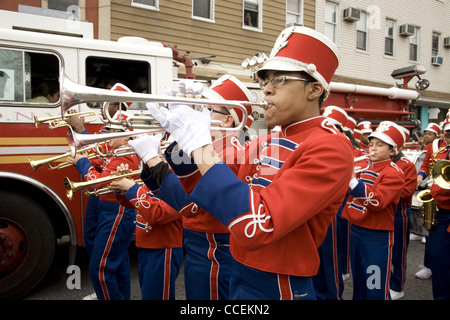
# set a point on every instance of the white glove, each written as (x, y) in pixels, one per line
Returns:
(186, 88)
(147, 146)
(189, 128)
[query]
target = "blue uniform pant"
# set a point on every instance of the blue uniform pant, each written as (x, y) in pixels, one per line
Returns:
(328, 282)
(371, 258)
(207, 265)
(90, 223)
(438, 242)
(252, 284)
(109, 265)
(158, 270)
(402, 223)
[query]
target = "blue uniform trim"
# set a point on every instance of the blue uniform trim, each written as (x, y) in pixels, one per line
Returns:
(288, 144)
(180, 163)
(272, 162)
(171, 191)
(83, 166)
(359, 190)
(132, 192)
(149, 181)
(222, 194)
(261, 182)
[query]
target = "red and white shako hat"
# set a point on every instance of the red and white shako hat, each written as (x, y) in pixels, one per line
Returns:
(228, 87)
(336, 115)
(350, 125)
(434, 128)
(124, 88)
(391, 133)
(304, 49)
(364, 127)
(119, 115)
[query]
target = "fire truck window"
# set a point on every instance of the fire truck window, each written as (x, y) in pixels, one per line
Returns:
(28, 77)
(105, 72)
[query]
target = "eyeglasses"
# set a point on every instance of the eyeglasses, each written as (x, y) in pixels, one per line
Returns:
(279, 81)
(217, 111)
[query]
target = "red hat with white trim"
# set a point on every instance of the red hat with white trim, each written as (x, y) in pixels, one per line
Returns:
(228, 87)
(350, 125)
(364, 127)
(391, 133)
(336, 115)
(434, 128)
(306, 50)
(124, 88)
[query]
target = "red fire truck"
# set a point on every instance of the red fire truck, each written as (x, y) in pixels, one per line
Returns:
(34, 208)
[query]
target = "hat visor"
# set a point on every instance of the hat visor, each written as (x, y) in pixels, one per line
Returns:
(385, 138)
(277, 65)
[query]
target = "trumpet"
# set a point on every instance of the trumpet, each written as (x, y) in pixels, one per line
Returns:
(73, 187)
(58, 122)
(36, 164)
(73, 94)
(362, 158)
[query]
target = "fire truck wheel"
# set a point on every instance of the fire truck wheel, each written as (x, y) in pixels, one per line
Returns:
(27, 244)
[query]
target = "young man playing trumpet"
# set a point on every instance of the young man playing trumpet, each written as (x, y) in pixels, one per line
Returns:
(109, 267)
(287, 187)
(208, 259)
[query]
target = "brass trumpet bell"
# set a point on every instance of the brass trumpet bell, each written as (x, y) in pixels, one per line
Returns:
(441, 174)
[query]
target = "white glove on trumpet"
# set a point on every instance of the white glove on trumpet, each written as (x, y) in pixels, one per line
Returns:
(189, 128)
(147, 146)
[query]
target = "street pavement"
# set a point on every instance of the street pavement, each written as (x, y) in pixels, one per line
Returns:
(54, 286)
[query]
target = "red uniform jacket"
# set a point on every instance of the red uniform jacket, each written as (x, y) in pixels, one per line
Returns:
(410, 172)
(288, 189)
(372, 203)
(157, 224)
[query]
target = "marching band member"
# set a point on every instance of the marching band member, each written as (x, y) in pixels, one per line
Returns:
(438, 241)
(109, 267)
(159, 236)
(365, 128)
(431, 133)
(402, 223)
(208, 259)
(289, 185)
(328, 282)
(91, 213)
(370, 209)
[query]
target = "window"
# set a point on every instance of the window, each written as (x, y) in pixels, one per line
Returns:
(294, 11)
(104, 72)
(331, 19)
(389, 37)
(203, 9)
(29, 77)
(414, 45)
(252, 14)
(146, 4)
(361, 32)
(61, 5)
(436, 40)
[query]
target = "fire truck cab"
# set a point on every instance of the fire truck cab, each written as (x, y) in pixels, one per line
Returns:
(34, 208)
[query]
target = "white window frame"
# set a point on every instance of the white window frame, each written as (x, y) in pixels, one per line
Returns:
(260, 15)
(438, 52)
(334, 24)
(298, 14)
(392, 37)
(411, 38)
(145, 6)
(366, 31)
(211, 15)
